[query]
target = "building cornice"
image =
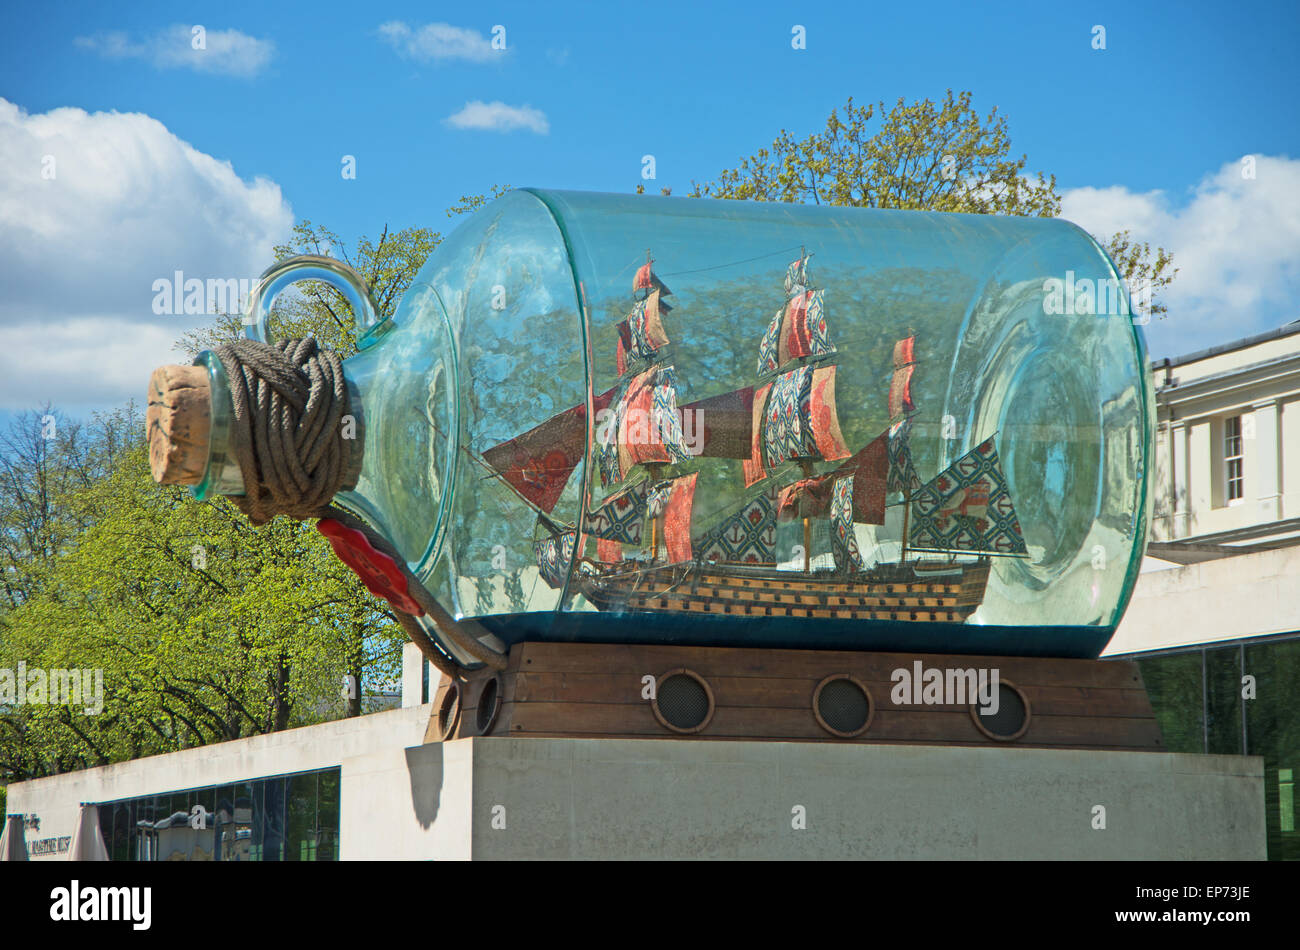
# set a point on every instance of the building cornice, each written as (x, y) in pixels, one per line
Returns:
(1280, 373)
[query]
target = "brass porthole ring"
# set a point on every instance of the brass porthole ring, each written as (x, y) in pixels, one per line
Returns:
(843, 706)
(449, 711)
(1012, 719)
(683, 702)
(489, 705)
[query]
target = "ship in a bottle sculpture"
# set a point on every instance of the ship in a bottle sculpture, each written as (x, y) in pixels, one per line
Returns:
(731, 569)
(804, 427)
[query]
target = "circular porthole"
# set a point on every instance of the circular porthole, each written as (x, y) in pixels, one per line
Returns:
(1011, 718)
(683, 702)
(449, 711)
(489, 704)
(842, 706)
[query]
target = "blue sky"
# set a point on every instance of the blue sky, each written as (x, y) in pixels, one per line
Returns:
(1147, 133)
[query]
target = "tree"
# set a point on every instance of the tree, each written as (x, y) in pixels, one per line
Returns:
(205, 628)
(44, 456)
(1147, 277)
(315, 307)
(924, 156)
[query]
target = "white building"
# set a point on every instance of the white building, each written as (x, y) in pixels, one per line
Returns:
(1215, 615)
(1223, 562)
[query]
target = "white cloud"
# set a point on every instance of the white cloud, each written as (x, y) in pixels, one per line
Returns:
(438, 41)
(499, 117)
(1235, 240)
(223, 51)
(129, 203)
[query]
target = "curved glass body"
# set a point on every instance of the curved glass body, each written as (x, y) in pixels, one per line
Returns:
(564, 358)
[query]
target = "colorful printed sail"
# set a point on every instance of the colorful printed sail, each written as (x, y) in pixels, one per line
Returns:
(798, 421)
(538, 463)
(796, 275)
(869, 468)
(553, 557)
(747, 536)
(902, 473)
(829, 496)
(672, 502)
(799, 328)
(721, 426)
(967, 507)
(645, 427)
(900, 386)
(806, 498)
(642, 334)
(646, 280)
(620, 517)
(844, 543)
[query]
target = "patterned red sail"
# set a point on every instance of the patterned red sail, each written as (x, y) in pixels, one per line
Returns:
(804, 332)
(870, 471)
(642, 334)
(538, 463)
(649, 428)
(900, 387)
(806, 498)
(726, 421)
(674, 506)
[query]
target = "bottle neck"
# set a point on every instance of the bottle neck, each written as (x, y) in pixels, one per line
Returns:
(221, 475)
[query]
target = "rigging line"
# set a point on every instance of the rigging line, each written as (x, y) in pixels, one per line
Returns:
(492, 473)
(748, 260)
(701, 270)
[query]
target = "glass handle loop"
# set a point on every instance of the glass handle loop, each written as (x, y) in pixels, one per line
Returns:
(338, 275)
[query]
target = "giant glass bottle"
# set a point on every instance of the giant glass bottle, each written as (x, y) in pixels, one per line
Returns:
(636, 419)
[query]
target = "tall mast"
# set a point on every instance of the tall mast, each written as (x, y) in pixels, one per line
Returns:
(794, 418)
(901, 409)
(806, 465)
(646, 432)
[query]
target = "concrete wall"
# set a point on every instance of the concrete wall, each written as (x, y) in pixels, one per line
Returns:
(56, 800)
(411, 804)
(1244, 596)
(1289, 425)
(598, 799)
(501, 798)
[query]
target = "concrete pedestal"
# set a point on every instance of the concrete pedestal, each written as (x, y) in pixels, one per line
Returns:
(593, 799)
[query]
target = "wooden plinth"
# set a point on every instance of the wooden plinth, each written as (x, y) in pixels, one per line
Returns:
(598, 691)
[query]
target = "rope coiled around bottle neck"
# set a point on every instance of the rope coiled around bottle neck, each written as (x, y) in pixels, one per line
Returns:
(289, 400)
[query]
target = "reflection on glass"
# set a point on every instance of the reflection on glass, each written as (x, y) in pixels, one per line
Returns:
(327, 812)
(1223, 701)
(1174, 686)
(273, 819)
(1203, 712)
(744, 365)
(293, 818)
(243, 819)
(1273, 731)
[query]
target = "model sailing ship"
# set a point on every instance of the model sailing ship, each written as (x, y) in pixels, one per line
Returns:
(790, 416)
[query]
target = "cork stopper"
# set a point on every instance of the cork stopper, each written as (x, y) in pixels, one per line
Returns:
(178, 423)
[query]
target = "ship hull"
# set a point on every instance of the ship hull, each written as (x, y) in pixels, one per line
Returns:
(924, 615)
(891, 592)
(796, 633)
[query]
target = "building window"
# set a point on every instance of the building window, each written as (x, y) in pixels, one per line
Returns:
(279, 818)
(1232, 459)
(1196, 696)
